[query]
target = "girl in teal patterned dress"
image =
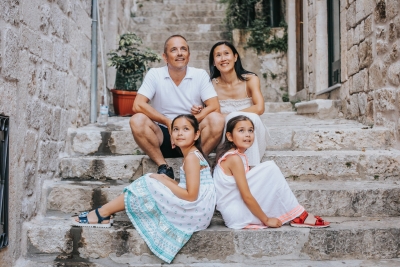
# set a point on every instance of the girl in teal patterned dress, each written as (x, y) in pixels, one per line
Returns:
(164, 212)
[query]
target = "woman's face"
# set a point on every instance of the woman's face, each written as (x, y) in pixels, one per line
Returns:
(224, 59)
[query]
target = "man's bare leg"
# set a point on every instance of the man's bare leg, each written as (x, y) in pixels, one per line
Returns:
(148, 136)
(211, 128)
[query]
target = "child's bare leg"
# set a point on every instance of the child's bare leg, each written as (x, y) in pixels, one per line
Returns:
(115, 205)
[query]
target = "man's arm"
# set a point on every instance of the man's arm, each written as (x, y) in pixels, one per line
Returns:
(211, 105)
(141, 105)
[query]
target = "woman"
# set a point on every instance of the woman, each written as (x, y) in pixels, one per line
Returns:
(239, 93)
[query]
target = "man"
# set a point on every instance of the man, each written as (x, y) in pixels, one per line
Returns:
(173, 90)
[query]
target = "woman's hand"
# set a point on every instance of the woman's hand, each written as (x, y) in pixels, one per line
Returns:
(196, 109)
(273, 222)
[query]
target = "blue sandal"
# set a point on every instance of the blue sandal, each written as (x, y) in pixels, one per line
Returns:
(84, 222)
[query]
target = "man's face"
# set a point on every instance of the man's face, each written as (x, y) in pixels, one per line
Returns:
(177, 53)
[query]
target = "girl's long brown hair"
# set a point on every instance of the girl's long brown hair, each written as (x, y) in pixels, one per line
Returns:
(227, 145)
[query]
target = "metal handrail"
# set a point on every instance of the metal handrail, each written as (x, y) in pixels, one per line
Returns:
(4, 158)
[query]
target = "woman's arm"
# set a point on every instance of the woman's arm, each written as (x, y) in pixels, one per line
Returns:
(192, 171)
(253, 84)
(235, 166)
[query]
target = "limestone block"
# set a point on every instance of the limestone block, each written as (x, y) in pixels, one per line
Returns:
(326, 139)
(394, 51)
(353, 60)
(93, 245)
(368, 26)
(361, 31)
(365, 54)
(381, 47)
(277, 107)
(372, 241)
(10, 57)
(83, 21)
(392, 8)
(122, 142)
(351, 16)
(392, 32)
(362, 103)
(61, 55)
(360, 82)
(100, 167)
(49, 237)
(350, 38)
(380, 11)
(394, 74)
(352, 107)
(369, 6)
(48, 153)
(30, 146)
(31, 41)
(396, 22)
(59, 23)
(69, 198)
(10, 11)
(56, 120)
(385, 99)
(86, 142)
(377, 75)
(29, 14)
(279, 139)
(360, 12)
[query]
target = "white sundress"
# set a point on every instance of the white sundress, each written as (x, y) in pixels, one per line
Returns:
(165, 221)
(231, 107)
(268, 186)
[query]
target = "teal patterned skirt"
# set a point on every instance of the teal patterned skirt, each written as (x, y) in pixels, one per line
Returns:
(163, 238)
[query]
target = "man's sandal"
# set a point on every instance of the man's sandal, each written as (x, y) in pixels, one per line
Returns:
(84, 222)
(309, 221)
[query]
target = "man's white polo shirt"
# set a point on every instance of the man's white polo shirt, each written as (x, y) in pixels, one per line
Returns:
(171, 100)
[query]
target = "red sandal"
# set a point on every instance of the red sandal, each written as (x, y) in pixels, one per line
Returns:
(309, 221)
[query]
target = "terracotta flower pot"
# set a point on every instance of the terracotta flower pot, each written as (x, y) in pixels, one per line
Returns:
(123, 102)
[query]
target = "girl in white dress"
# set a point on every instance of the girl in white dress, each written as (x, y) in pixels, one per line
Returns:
(166, 213)
(238, 93)
(258, 197)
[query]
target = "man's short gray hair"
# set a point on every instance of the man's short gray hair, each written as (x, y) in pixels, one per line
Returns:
(173, 36)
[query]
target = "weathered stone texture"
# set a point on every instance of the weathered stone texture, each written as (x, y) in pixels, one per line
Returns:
(377, 75)
(353, 60)
(392, 8)
(365, 54)
(394, 74)
(11, 55)
(380, 12)
(351, 16)
(360, 82)
(385, 99)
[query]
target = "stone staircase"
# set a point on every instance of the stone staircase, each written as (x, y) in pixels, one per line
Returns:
(337, 168)
(199, 21)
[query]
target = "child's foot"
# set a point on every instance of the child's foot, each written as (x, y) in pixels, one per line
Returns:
(309, 221)
(92, 219)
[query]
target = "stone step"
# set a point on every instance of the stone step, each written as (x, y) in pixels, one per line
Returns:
(177, 29)
(51, 261)
(160, 20)
(195, 5)
(180, 13)
(273, 107)
(324, 198)
(287, 132)
(295, 165)
(212, 38)
(347, 238)
(320, 108)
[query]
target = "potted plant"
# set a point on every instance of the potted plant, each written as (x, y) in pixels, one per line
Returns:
(131, 64)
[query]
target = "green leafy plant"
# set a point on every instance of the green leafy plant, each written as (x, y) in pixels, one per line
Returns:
(130, 61)
(285, 97)
(243, 14)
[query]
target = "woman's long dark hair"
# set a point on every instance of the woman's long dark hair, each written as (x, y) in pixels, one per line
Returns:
(214, 72)
(227, 145)
(195, 124)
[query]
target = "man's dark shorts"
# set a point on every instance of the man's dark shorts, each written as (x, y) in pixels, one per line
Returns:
(166, 148)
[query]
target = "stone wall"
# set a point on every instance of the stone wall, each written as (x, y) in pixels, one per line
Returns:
(271, 68)
(370, 41)
(45, 53)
